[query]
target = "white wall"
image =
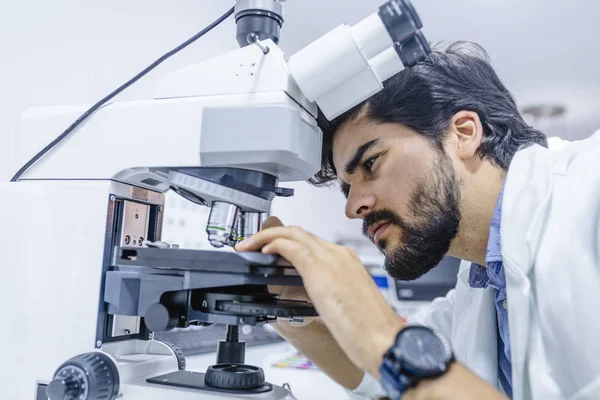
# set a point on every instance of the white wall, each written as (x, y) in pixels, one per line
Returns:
(318, 210)
(75, 52)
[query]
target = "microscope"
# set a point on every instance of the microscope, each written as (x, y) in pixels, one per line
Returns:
(87, 281)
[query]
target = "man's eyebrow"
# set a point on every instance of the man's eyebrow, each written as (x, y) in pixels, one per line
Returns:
(351, 166)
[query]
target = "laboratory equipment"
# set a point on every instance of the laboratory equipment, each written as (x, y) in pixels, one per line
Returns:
(87, 282)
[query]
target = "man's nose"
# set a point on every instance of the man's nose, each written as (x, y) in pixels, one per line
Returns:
(359, 204)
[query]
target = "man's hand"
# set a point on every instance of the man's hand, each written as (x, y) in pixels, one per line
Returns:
(313, 338)
(341, 289)
(285, 292)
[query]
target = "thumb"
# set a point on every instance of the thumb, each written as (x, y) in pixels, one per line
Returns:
(271, 222)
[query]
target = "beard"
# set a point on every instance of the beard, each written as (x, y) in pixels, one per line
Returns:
(435, 206)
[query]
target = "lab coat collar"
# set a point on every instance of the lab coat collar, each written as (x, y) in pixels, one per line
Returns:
(527, 195)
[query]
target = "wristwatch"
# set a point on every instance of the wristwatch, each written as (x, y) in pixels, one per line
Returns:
(418, 353)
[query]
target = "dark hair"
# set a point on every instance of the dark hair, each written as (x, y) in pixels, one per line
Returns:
(425, 97)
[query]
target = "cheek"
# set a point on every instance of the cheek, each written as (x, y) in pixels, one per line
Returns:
(397, 181)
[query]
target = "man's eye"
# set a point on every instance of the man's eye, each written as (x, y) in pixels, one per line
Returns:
(369, 163)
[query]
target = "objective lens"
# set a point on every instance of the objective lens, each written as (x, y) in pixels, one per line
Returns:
(249, 224)
(221, 223)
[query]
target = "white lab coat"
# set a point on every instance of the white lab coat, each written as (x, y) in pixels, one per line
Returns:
(550, 240)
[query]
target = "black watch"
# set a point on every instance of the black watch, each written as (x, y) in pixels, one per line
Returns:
(418, 353)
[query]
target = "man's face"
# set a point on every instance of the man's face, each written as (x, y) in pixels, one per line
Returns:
(404, 188)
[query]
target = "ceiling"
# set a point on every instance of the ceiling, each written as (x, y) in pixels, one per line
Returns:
(545, 51)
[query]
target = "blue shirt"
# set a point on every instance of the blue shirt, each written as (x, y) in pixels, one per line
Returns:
(493, 275)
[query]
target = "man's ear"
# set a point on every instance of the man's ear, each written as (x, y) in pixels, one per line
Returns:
(466, 133)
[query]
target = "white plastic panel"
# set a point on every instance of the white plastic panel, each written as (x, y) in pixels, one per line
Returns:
(386, 64)
(244, 71)
(349, 94)
(327, 62)
(371, 36)
(168, 133)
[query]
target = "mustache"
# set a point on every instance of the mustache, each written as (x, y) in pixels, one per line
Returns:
(381, 215)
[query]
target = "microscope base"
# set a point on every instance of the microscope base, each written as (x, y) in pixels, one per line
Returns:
(195, 380)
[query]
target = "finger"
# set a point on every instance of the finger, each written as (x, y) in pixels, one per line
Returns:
(272, 222)
(410, 395)
(266, 236)
(295, 252)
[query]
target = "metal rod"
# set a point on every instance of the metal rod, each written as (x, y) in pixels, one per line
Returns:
(233, 333)
(253, 38)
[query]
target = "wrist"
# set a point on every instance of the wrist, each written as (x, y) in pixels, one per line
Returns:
(436, 388)
(383, 340)
(418, 354)
(285, 325)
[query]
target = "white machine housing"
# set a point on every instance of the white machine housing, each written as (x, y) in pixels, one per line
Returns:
(241, 109)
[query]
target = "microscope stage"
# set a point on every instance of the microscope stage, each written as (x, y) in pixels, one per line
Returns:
(200, 285)
(203, 261)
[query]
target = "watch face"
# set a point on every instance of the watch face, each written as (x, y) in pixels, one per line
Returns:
(423, 352)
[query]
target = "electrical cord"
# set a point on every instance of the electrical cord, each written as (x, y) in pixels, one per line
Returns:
(99, 104)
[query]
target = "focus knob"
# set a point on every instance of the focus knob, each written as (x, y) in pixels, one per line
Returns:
(89, 376)
(65, 387)
(159, 318)
(234, 376)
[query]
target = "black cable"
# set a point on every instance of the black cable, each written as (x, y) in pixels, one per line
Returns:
(117, 91)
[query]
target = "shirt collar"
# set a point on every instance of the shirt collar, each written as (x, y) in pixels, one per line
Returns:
(493, 252)
(478, 275)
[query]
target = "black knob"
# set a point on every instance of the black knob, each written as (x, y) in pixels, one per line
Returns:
(178, 355)
(400, 19)
(413, 50)
(159, 318)
(234, 376)
(89, 376)
(67, 387)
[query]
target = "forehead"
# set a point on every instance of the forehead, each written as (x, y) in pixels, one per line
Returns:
(354, 133)
(351, 135)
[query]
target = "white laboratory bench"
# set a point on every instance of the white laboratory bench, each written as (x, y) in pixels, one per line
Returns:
(305, 384)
